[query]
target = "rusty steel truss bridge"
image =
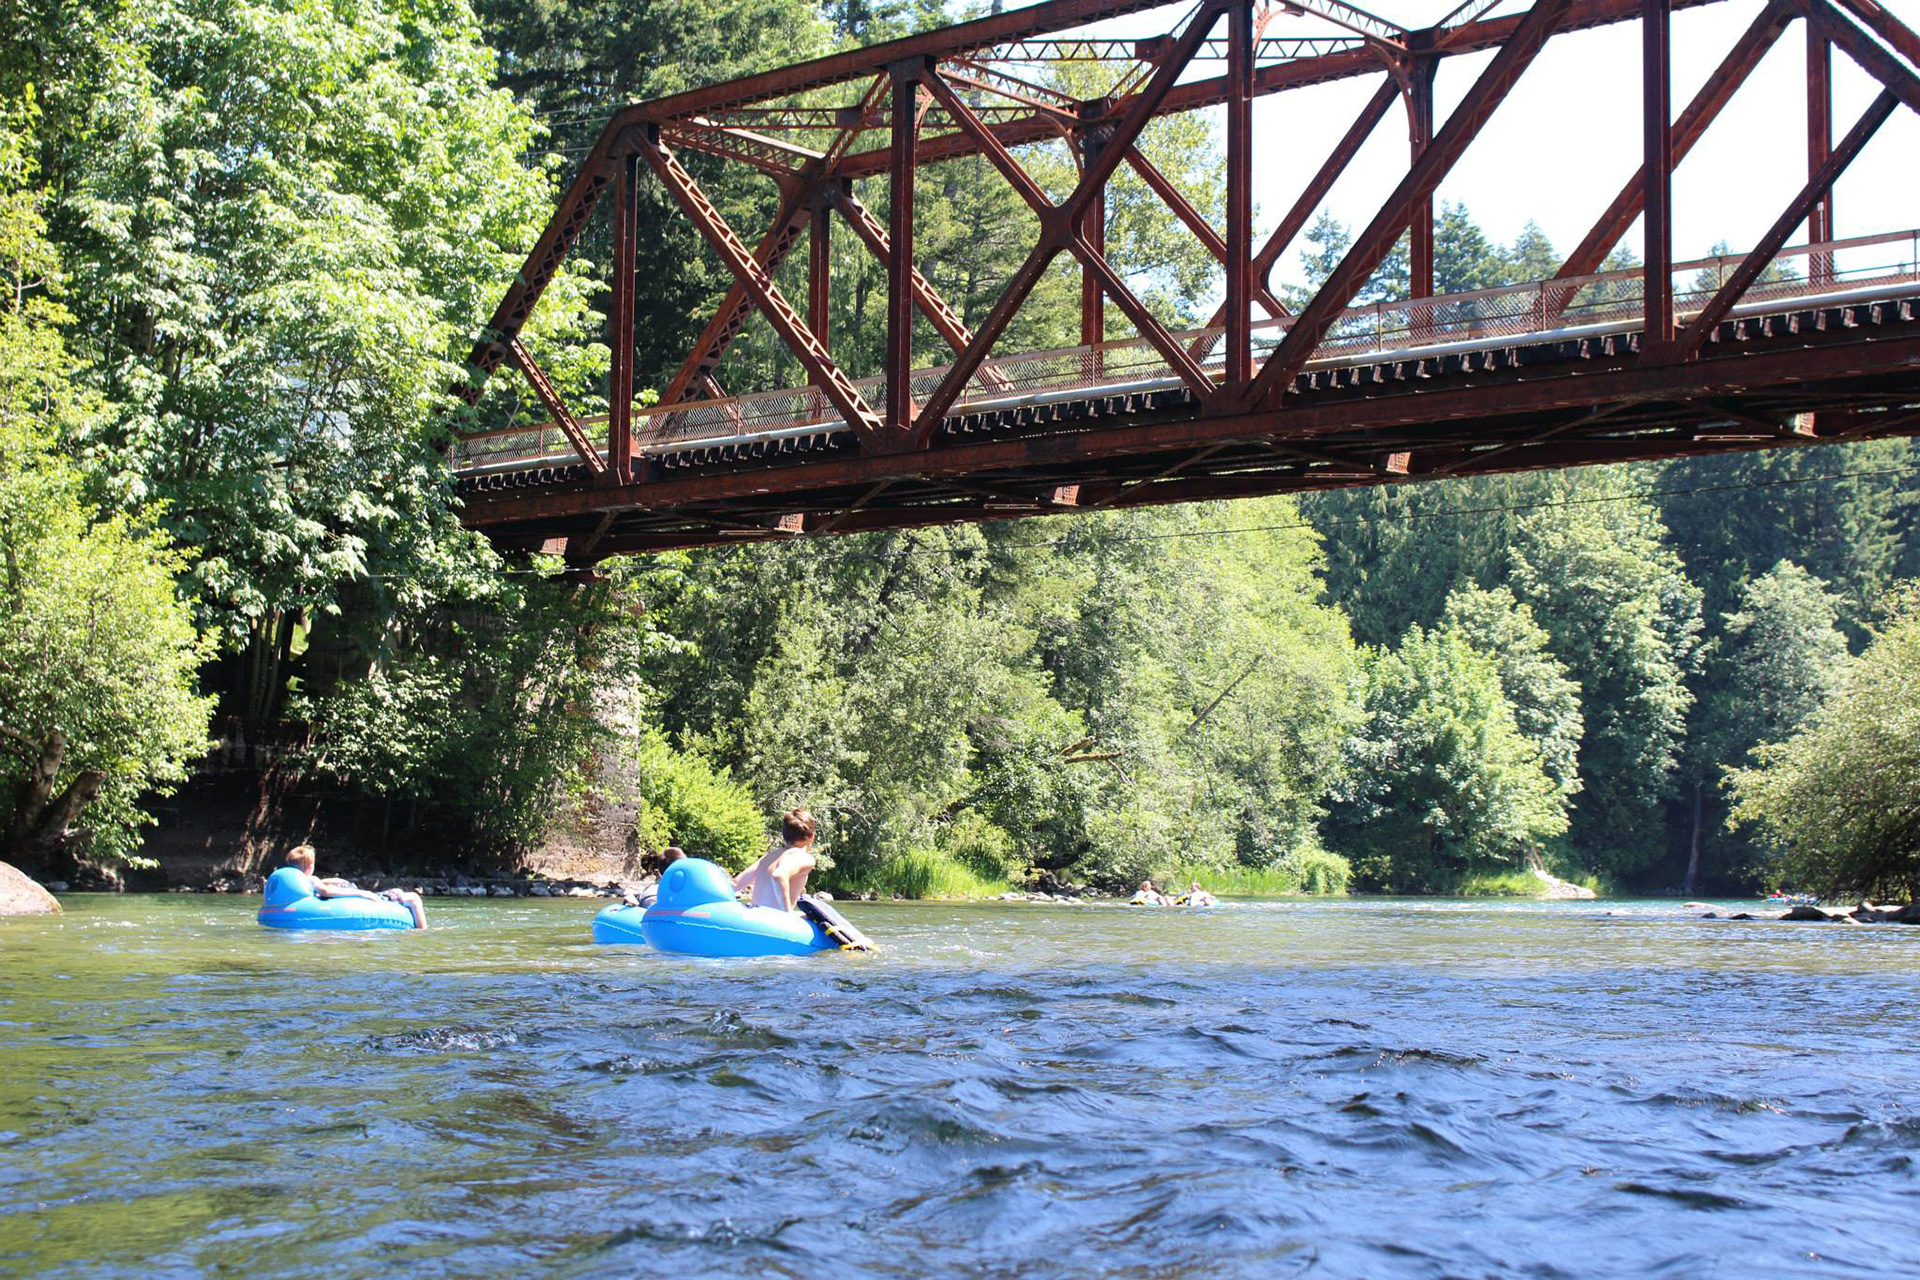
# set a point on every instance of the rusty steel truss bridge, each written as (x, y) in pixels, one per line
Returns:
(1591, 366)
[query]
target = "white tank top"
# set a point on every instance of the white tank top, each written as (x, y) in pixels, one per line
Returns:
(766, 890)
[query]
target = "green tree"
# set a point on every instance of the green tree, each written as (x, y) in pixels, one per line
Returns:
(1707, 281)
(1212, 668)
(489, 716)
(1442, 782)
(1396, 552)
(1326, 241)
(1545, 697)
(1604, 583)
(1464, 259)
(1136, 691)
(575, 64)
(1839, 800)
(98, 659)
(1778, 658)
(1531, 256)
(869, 679)
(1844, 512)
(97, 656)
(1781, 655)
(284, 221)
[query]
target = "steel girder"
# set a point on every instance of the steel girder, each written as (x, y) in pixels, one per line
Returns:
(952, 93)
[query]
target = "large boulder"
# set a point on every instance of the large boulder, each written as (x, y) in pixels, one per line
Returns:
(22, 896)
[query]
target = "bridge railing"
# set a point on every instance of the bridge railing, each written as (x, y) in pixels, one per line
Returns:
(1609, 301)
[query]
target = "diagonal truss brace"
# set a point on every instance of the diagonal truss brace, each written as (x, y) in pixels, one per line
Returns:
(760, 285)
(1057, 224)
(1705, 108)
(1886, 26)
(1183, 209)
(695, 377)
(1371, 247)
(556, 409)
(1316, 190)
(1149, 326)
(1863, 49)
(543, 262)
(1688, 343)
(874, 236)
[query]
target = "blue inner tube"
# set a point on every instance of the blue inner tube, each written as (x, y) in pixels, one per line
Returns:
(696, 915)
(288, 905)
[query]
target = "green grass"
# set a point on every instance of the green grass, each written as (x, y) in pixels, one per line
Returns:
(929, 875)
(1524, 884)
(1237, 882)
(1505, 884)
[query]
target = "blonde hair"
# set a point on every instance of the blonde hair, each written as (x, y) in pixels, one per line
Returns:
(301, 856)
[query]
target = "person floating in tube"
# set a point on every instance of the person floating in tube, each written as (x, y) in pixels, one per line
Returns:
(779, 878)
(1195, 896)
(649, 891)
(1148, 896)
(301, 856)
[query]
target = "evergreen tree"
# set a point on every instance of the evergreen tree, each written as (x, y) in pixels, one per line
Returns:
(1463, 258)
(1613, 596)
(1844, 512)
(1326, 243)
(1545, 698)
(1778, 658)
(1530, 257)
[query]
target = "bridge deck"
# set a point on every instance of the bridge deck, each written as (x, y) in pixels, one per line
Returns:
(1537, 375)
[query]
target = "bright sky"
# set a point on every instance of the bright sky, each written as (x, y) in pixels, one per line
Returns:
(1568, 135)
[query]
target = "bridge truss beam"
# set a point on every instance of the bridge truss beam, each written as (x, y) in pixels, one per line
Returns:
(1230, 417)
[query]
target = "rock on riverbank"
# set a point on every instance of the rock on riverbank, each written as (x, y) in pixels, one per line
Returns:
(20, 895)
(1554, 888)
(1865, 913)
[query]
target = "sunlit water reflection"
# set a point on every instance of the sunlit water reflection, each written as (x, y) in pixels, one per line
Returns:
(1354, 1087)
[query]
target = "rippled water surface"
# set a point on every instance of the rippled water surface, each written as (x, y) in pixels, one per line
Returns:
(1356, 1088)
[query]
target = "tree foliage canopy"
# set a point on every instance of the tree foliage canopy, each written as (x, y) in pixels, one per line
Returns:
(1839, 801)
(1442, 781)
(284, 221)
(98, 656)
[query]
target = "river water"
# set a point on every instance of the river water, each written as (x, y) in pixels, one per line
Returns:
(1340, 1088)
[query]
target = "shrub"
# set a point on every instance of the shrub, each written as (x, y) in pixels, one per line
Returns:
(1319, 871)
(687, 800)
(97, 666)
(983, 848)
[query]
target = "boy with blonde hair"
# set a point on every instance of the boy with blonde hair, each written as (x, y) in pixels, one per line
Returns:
(302, 856)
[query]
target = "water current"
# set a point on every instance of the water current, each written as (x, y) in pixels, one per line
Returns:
(1339, 1088)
